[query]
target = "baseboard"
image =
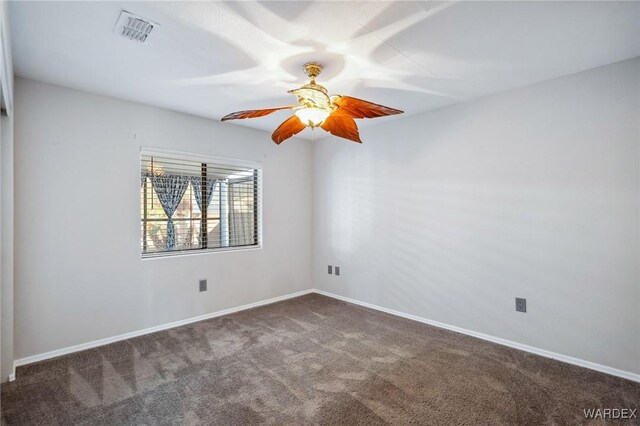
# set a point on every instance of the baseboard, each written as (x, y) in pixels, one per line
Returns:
(537, 351)
(101, 342)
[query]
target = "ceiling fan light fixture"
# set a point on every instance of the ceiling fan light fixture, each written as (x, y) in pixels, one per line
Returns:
(312, 117)
(315, 108)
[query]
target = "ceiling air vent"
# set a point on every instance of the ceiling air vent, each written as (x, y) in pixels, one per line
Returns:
(134, 27)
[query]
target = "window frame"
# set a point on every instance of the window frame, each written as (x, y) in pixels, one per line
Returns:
(226, 161)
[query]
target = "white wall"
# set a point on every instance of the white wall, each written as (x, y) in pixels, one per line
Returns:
(78, 271)
(532, 193)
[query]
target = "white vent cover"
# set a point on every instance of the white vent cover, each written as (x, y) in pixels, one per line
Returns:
(134, 27)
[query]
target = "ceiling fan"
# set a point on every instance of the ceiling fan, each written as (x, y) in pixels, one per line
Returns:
(315, 108)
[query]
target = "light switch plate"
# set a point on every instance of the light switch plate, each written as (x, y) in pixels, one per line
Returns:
(203, 285)
(521, 304)
(337, 270)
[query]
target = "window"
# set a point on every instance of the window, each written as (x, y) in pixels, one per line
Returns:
(190, 205)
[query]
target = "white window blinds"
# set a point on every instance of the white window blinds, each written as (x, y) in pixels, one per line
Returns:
(189, 205)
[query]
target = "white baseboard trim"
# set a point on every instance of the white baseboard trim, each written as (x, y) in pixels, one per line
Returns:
(100, 342)
(537, 351)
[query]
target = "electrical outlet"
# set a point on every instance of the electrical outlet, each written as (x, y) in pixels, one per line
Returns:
(203, 285)
(330, 270)
(337, 270)
(521, 305)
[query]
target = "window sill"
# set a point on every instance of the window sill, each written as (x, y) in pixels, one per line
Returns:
(198, 252)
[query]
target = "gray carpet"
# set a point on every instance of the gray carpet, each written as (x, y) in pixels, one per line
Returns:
(309, 360)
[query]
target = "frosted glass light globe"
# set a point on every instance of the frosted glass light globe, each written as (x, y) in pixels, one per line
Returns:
(312, 117)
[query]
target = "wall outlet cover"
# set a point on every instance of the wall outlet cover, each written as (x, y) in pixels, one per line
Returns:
(203, 285)
(521, 304)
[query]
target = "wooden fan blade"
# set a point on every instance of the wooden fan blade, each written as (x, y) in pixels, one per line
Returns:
(253, 113)
(288, 128)
(357, 108)
(342, 126)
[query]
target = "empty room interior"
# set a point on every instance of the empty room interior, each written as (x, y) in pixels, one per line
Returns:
(319, 212)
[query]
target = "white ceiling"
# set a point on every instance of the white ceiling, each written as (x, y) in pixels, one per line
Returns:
(212, 58)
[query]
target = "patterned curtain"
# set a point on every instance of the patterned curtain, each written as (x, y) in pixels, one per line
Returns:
(170, 190)
(143, 176)
(197, 184)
